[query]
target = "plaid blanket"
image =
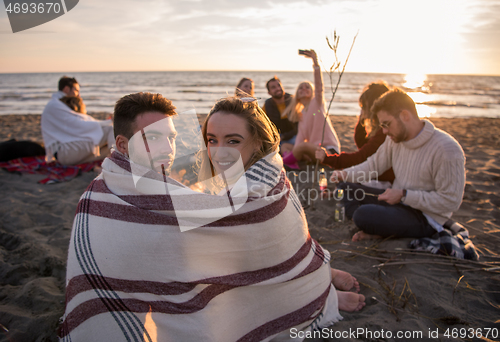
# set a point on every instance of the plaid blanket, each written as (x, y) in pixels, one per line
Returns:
(56, 172)
(249, 276)
(453, 240)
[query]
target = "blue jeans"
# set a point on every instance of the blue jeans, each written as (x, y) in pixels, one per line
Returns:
(380, 218)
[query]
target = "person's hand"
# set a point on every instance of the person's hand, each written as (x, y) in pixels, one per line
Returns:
(311, 54)
(320, 154)
(338, 176)
(391, 196)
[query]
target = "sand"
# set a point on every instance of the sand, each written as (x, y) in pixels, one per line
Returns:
(410, 293)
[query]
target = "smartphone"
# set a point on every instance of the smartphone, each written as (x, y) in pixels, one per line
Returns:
(302, 52)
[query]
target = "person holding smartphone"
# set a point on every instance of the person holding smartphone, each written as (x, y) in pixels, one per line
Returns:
(308, 108)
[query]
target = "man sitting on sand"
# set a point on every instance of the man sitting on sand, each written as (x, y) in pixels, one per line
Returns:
(70, 137)
(429, 168)
(274, 108)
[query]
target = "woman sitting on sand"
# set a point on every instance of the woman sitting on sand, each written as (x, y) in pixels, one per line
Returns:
(367, 134)
(245, 88)
(242, 149)
(308, 108)
(75, 103)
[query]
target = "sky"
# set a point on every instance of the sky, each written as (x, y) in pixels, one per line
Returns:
(393, 36)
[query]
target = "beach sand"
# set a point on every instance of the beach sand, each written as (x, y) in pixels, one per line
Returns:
(408, 292)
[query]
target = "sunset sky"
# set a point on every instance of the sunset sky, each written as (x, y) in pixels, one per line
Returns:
(400, 36)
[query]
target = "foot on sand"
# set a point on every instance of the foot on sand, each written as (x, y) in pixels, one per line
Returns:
(350, 301)
(344, 281)
(361, 235)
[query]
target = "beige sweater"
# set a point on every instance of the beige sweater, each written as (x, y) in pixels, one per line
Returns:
(431, 167)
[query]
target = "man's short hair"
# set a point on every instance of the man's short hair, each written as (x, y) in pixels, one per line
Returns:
(393, 102)
(129, 107)
(67, 81)
(272, 79)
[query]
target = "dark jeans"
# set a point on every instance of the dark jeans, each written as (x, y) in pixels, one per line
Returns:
(380, 218)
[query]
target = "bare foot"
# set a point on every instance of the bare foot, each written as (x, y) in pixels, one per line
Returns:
(361, 235)
(350, 301)
(344, 281)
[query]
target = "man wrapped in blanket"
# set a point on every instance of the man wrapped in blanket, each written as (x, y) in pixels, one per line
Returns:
(152, 260)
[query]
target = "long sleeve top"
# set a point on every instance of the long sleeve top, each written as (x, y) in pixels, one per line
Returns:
(313, 118)
(360, 134)
(348, 159)
(431, 167)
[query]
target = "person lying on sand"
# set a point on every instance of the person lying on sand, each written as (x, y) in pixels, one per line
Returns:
(245, 269)
(429, 168)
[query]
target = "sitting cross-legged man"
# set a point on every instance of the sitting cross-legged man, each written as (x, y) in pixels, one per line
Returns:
(429, 169)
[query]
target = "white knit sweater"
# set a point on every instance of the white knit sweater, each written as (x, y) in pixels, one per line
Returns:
(431, 167)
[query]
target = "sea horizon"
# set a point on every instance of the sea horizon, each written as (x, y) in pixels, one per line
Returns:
(436, 95)
(237, 70)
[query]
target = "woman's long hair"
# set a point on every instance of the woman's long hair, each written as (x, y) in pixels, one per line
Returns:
(294, 109)
(371, 93)
(258, 124)
(240, 93)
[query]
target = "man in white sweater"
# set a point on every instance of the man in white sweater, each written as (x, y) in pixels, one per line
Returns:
(70, 137)
(429, 165)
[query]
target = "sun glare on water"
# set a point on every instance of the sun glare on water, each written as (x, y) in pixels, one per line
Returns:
(415, 81)
(420, 96)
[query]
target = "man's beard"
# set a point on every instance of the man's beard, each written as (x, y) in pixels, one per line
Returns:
(164, 169)
(402, 135)
(278, 97)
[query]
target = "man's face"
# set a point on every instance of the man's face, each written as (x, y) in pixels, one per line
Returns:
(72, 91)
(392, 126)
(276, 90)
(153, 142)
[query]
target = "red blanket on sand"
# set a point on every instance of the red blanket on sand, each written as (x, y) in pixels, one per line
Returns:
(56, 172)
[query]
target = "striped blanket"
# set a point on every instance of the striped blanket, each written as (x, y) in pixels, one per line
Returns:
(133, 275)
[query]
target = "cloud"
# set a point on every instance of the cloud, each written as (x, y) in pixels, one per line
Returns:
(394, 35)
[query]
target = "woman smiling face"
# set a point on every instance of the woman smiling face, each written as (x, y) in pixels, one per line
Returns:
(228, 138)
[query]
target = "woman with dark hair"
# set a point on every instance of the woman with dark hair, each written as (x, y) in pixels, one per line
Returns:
(245, 88)
(368, 137)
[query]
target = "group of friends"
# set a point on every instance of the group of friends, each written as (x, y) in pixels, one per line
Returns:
(247, 268)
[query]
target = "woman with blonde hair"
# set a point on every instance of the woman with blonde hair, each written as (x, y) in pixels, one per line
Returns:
(309, 110)
(271, 222)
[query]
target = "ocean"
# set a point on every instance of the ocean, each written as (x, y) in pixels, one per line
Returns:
(435, 95)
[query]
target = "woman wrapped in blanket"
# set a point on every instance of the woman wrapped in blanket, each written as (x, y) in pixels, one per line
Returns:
(309, 110)
(242, 147)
